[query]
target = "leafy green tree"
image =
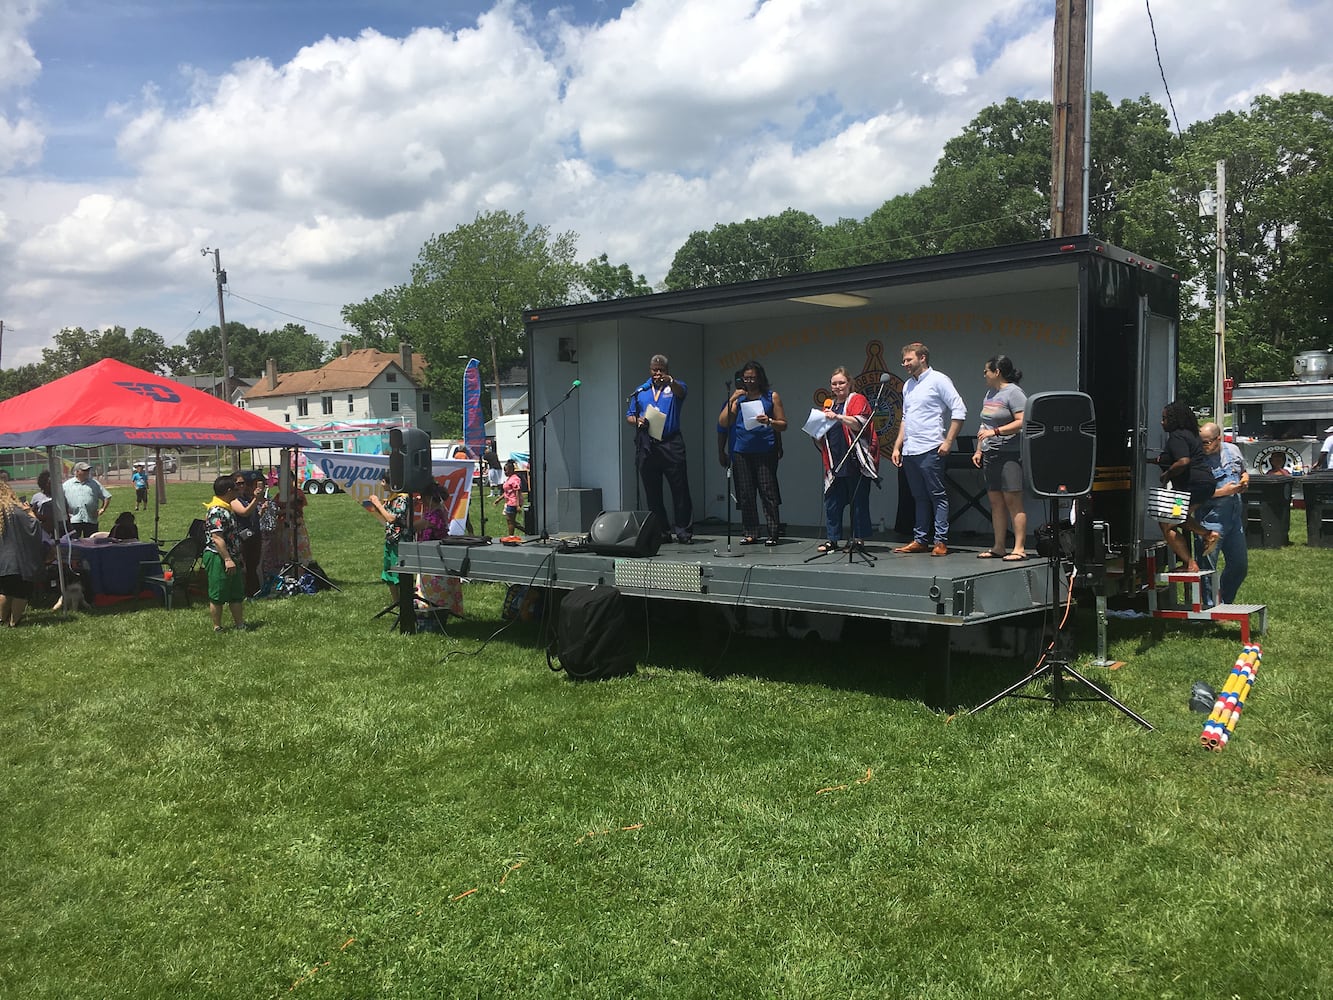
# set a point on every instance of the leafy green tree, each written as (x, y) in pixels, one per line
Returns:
(16, 381)
(377, 320)
(600, 280)
(769, 247)
(471, 286)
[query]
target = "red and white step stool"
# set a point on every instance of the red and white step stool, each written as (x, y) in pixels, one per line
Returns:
(1195, 611)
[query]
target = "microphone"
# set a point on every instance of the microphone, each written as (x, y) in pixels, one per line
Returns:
(828, 403)
(883, 379)
(578, 382)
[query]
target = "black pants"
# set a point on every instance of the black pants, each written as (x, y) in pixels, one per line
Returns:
(756, 474)
(665, 460)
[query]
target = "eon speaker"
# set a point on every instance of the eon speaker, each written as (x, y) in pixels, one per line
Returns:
(625, 533)
(1059, 444)
(409, 460)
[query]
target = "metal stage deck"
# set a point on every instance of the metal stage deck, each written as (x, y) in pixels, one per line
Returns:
(954, 590)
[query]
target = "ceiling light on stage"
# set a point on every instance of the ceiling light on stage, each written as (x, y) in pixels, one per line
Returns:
(835, 300)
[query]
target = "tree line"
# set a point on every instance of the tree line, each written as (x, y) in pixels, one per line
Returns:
(468, 288)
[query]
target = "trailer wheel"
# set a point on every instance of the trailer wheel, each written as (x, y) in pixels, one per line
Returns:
(312, 487)
(330, 487)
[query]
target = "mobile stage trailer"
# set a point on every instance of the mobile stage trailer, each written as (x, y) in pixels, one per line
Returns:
(1074, 314)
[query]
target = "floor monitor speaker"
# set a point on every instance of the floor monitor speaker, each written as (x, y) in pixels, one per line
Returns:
(625, 533)
(1059, 444)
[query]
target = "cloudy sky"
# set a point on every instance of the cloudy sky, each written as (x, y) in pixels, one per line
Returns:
(319, 143)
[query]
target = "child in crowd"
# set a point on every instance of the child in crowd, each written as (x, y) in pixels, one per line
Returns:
(511, 493)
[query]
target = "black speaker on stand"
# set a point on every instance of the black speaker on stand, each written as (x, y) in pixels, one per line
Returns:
(1059, 449)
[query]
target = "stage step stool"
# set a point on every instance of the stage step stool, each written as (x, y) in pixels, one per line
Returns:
(1196, 611)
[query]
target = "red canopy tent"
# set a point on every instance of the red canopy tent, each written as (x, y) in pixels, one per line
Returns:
(111, 402)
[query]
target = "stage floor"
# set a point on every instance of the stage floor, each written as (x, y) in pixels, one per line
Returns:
(954, 590)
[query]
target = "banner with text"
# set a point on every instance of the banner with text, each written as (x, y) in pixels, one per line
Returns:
(360, 476)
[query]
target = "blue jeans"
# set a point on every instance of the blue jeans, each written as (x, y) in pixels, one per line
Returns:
(1226, 516)
(854, 488)
(925, 475)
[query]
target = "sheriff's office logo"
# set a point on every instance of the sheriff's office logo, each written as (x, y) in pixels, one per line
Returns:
(887, 402)
(153, 390)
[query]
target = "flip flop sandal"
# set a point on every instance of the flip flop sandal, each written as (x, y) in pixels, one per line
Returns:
(749, 540)
(1015, 557)
(989, 554)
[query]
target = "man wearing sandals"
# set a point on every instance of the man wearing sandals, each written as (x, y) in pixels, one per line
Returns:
(933, 414)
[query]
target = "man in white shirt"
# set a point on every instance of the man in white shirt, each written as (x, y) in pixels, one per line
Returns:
(933, 414)
(1326, 450)
(86, 500)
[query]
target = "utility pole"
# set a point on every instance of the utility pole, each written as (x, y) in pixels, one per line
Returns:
(1070, 118)
(2, 338)
(1220, 298)
(221, 277)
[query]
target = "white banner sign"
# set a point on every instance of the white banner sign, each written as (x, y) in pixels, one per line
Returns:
(360, 476)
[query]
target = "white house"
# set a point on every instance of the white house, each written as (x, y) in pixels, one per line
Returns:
(359, 385)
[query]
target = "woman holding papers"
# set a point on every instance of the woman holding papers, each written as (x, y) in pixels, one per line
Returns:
(754, 413)
(847, 477)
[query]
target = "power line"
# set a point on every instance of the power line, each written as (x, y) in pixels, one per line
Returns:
(302, 319)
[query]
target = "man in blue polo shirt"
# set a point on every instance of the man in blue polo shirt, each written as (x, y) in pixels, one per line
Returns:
(1224, 513)
(933, 414)
(659, 449)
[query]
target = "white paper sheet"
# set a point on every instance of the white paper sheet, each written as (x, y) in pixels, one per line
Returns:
(817, 424)
(750, 411)
(656, 421)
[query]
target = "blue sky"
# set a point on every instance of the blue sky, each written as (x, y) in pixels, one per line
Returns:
(319, 158)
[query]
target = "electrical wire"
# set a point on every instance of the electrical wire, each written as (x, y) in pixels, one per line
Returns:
(302, 319)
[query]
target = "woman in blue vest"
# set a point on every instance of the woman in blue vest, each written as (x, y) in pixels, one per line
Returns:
(756, 449)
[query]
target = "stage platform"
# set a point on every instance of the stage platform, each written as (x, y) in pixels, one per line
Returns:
(955, 590)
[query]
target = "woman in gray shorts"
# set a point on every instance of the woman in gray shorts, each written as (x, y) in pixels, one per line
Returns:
(998, 458)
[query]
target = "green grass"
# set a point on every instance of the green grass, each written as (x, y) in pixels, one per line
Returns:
(300, 810)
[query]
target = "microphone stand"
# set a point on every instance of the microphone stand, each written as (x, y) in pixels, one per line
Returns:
(731, 459)
(545, 535)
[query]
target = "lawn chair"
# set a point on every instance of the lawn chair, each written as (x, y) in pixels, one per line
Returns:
(180, 561)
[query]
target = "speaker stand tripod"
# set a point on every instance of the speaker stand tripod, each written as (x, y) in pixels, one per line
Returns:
(1054, 663)
(294, 568)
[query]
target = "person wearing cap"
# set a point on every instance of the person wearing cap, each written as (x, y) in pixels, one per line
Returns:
(140, 480)
(1326, 450)
(1225, 514)
(86, 500)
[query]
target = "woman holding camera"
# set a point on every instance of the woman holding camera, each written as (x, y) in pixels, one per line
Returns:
(245, 506)
(756, 448)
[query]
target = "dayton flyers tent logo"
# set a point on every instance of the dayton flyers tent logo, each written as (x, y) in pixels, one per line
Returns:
(155, 391)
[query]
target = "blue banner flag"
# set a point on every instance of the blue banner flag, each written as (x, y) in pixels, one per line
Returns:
(474, 425)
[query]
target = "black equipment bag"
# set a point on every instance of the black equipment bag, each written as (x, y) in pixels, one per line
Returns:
(591, 635)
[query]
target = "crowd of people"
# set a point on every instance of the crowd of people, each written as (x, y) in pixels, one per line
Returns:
(251, 534)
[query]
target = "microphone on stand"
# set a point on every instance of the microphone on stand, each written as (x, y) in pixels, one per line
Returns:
(578, 382)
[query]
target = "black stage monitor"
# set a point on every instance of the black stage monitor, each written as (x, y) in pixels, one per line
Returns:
(625, 533)
(1059, 444)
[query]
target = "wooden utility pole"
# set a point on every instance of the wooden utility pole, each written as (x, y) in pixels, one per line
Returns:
(1069, 119)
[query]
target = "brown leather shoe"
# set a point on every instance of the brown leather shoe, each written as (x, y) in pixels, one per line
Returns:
(911, 547)
(940, 549)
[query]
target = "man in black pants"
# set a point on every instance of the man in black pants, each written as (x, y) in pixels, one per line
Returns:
(659, 449)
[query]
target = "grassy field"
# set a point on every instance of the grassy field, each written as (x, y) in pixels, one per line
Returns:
(324, 807)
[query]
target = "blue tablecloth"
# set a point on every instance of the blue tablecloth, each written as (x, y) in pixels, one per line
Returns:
(113, 567)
